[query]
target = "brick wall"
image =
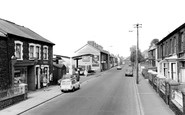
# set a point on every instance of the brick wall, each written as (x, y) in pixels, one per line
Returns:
(5, 80)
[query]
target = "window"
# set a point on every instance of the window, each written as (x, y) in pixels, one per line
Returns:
(34, 51)
(31, 52)
(171, 47)
(18, 50)
(45, 53)
(164, 47)
(181, 41)
(37, 52)
(175, 42)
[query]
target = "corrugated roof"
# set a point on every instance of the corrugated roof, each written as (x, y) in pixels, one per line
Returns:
(12, 28)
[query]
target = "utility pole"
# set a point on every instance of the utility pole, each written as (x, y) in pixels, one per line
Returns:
(137, 50)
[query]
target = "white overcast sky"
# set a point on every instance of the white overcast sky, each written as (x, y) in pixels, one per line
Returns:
(71, 23)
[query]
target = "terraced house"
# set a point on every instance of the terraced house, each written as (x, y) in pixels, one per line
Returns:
(24, 56)
(171, 55)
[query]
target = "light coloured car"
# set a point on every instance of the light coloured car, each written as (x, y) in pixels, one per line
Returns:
(129, 71)
(69, 83)
(119, 67)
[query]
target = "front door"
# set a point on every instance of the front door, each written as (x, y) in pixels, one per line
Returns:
(37, 78)
(173, 71)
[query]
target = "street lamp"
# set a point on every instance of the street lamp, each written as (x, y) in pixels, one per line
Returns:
(137, 49)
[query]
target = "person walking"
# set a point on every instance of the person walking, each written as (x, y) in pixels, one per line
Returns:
(45, 82)
(85, 72)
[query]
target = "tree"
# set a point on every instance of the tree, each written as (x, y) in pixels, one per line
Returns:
(133, 55)
(154, 42)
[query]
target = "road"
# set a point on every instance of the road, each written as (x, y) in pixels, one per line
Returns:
(109, 94)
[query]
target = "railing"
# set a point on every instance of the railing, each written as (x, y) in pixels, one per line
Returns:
(18, 90)
(173, 92)
(177, 96)
(162, 86)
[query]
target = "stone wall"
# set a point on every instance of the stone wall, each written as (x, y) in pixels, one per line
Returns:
(11, 101)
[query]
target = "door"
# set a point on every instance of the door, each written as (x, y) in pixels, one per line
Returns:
(182, 72)
(37, 77)
(173, 71)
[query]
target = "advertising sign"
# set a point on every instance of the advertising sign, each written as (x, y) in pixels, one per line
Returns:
(95, 60)
(86, 58)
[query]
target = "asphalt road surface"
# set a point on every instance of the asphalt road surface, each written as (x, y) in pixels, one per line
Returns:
(109, 94)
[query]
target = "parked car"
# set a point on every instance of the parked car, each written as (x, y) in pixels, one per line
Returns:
(119, 67)
(81, 71)
(69, 83)
(129, 71)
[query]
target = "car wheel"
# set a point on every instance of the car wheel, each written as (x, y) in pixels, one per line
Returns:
(79, 86)
(73, 89)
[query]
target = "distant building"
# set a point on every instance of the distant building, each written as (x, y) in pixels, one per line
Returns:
(60, 67)
(98, 58)
(152, 57)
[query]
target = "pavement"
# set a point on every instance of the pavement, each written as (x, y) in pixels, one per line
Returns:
(36, 98)
(149, 100)
(150, 103)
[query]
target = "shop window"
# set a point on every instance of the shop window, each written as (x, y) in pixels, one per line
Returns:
(18, 50)
(20, 76)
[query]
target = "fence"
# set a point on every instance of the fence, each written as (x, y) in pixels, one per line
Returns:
(172, 92)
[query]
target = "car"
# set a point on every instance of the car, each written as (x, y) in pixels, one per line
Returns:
(81, 71)
(129, 71)
(69, 83)
(119, 67)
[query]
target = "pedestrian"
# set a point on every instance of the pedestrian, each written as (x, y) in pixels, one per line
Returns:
(45, 82)
(78, 74)
(41, 80)
(85, 72)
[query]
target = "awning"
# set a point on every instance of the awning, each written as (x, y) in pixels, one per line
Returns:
(172, 58)
(24, 63)
(78, 57)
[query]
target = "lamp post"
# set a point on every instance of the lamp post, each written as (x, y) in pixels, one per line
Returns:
(137, 49)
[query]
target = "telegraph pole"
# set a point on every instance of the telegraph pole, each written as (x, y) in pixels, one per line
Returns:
(137, 50)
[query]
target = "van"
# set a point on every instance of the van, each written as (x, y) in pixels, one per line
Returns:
(69, 83)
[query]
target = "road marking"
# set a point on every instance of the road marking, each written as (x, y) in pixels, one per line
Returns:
(138, 100)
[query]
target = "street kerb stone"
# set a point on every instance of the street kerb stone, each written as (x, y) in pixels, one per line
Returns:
(140, 110)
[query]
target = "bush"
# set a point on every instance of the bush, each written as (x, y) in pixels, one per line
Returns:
(145, 73)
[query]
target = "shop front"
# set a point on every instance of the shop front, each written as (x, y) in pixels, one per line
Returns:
(23, 72)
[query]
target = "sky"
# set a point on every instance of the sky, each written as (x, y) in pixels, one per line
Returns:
(71, 23)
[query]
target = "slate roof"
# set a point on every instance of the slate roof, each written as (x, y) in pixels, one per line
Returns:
(101, 50)
(14, 29)
(172, 33)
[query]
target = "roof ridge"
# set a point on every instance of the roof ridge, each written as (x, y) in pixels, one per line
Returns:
(12, 22)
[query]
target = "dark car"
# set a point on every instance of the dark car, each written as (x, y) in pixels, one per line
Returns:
(81, 71)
